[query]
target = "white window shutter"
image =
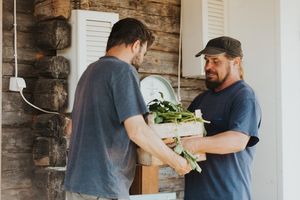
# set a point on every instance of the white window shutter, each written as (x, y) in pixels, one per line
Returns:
(90, 32)
(202, 20)
(97, 33)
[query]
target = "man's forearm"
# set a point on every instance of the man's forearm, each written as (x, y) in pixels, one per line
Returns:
(222, 143)
(141, 134)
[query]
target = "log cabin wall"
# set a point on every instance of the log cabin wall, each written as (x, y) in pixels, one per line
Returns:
(21, 124)
(17, 138)
(32, 141)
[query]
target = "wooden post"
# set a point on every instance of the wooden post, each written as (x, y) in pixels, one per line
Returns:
(145, 180)
(51, 94)
(53, 34)
(48, 184)
(49, 151)
(50, 125)
(53, 67)
(50, 9)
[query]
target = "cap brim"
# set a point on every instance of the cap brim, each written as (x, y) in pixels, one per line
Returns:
(210, 51)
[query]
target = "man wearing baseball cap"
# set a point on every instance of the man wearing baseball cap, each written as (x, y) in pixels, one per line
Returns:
(231, 106)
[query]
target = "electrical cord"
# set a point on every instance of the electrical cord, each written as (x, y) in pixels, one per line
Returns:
(15, 39)
(23, 85)
(179, 59)
(40, 109)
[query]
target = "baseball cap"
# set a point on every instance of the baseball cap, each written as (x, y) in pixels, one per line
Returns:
(222, 44)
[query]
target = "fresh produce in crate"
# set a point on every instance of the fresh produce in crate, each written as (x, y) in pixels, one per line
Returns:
(171, 121)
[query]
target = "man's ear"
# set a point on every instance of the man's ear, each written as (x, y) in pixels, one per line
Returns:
(237, 61)
(136, 46)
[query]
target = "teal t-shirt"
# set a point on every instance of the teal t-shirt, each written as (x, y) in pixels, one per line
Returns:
(226, 177)
(102, 159)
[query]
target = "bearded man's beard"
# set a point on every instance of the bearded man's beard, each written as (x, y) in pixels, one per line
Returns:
(212, 85)
(136, 61)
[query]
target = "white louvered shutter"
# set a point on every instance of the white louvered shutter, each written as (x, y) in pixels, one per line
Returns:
(97, 33)
(90, 32)
(215, 18)
(202, 20)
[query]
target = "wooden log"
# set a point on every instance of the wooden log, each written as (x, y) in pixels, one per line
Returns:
(49, 9)
(48, 184)
(51, 94)
(50, 125)
(25, 40)
(17, 140)
(53, 67)
(158, 62)
(49, 151)
(22, 6)
(13, 102)
(25, 56)
(16, 119)
(158, 17)
(53, 34)
(25, 21)
(24, 70)
(16, 179)
(160, 8)
(167, 42)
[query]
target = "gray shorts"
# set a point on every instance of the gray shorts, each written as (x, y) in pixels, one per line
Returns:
(79, 196)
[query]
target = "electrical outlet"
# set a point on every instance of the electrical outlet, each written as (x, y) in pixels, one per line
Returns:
(16, 84)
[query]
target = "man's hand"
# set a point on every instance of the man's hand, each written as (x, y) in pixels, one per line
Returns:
(191, 143)
(182, 166)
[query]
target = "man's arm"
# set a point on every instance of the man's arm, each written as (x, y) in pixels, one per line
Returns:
(141, 134)
(222, 143)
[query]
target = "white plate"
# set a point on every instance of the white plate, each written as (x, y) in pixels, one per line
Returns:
(153, 84)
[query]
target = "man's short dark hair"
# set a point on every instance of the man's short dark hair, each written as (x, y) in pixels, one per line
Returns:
(127, 31)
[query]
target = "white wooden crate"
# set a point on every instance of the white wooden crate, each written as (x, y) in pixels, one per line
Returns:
(170, 130)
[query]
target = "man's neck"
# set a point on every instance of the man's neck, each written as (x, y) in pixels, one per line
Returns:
(121, 52)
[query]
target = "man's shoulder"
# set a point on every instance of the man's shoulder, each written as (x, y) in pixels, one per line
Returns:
(244, 91)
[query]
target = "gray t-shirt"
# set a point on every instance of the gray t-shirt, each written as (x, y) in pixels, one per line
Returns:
(226, 177)
(101, 160)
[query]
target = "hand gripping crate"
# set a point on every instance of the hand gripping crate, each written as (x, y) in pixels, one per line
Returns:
(167, 131)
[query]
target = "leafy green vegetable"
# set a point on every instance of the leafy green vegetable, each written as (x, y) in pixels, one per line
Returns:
(168, 112)
(191, 159)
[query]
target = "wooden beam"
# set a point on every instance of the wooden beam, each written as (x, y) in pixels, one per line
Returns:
(49, 151)
(51, 94)
(50, 125)
(53, 34)
(50, 9)
(145, 180)
(53, 67)
(48, 184)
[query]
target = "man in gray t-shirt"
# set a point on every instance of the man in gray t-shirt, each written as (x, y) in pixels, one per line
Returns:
(231, 106)
(108, 120)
